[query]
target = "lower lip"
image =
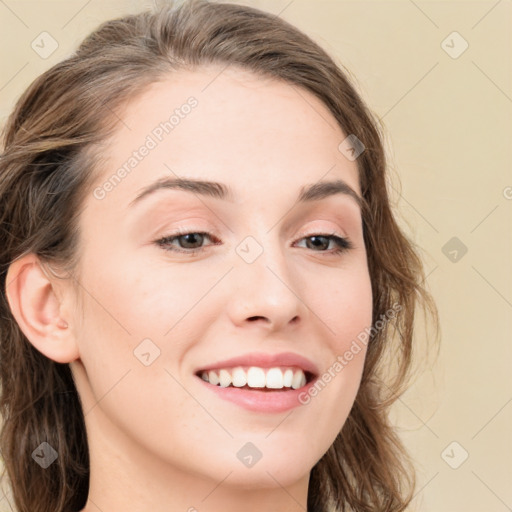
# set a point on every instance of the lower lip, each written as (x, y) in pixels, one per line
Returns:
(261, 401)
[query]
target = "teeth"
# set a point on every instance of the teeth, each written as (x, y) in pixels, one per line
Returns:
(288, 378)
(274, 378)
(298, 380)
(239, 377)
(213, 378)
(224, 379)
(255, 377)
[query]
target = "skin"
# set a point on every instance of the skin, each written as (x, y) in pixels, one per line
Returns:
(158, 439)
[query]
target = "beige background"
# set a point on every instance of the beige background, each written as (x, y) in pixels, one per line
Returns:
(449, 125)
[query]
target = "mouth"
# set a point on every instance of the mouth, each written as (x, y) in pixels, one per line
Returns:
(256, 378)
(259, 382)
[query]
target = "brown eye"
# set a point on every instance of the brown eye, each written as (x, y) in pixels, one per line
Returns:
(190, 240)
(315, 242)
(321, 241)
(189, 243)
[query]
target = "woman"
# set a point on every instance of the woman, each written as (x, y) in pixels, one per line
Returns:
(207, 303)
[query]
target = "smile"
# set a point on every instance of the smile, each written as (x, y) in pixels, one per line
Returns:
(258, 382)
(257, 378)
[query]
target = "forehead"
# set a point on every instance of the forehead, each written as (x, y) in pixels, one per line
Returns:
(255, 133)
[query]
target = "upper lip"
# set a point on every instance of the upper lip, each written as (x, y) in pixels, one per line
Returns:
(263, 360)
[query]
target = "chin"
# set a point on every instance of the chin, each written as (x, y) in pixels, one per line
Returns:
(270, 471)
(267, 477)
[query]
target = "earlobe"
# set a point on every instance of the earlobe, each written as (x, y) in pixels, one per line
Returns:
(36, 307)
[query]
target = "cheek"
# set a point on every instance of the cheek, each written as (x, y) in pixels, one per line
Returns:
(346, 313)
(137, 299)
(137, 313)
(352, 329)
(157, 298)
(123, 328)
(345, 305)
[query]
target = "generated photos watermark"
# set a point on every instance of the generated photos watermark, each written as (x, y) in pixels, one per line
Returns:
(153, 139)
(343, 360)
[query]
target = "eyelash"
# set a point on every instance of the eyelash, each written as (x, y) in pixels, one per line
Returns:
(343, 244)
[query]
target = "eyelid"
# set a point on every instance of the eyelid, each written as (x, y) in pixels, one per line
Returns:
(181, 231)
(345, 245)
(184, 230)
(342, 243)
(319, 231)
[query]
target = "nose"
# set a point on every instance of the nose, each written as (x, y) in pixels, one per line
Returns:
(265, 293)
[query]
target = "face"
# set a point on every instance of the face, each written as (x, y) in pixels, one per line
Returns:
(179, 282)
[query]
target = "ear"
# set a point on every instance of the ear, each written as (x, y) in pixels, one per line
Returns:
(34, 301)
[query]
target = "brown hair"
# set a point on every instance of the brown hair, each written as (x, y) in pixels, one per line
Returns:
(46, 171)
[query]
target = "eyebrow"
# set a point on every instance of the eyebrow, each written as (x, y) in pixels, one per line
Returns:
(308, 193)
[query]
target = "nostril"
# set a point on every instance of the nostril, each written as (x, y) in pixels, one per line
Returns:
(252, 318)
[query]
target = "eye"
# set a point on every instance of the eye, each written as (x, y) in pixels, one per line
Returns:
(318, 240)
(188, 242)
(191, 242)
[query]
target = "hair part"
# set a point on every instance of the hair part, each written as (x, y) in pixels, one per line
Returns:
(53, 146)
